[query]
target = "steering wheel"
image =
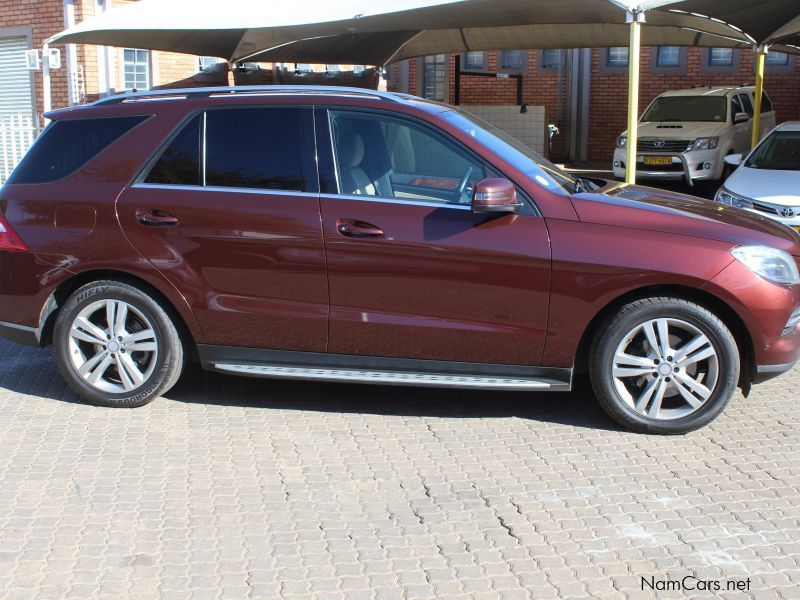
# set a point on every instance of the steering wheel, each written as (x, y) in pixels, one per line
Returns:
(462, 185)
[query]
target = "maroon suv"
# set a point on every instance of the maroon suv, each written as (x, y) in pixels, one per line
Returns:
(349, 235)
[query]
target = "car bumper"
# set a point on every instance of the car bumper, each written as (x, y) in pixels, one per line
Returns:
(698, 165)
(765, 309)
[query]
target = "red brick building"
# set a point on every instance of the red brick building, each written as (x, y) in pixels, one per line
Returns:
(585, 91)
(88, 72)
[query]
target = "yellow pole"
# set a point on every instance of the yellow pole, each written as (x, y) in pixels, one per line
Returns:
(635, 19)
(761, 55)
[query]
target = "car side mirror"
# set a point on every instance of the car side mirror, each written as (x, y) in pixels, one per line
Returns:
(495, 195)
(733, 160)
(741, 118)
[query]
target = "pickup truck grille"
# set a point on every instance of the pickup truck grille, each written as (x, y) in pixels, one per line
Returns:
(655, 145)
(765, 208)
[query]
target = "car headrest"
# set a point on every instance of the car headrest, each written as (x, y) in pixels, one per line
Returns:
(350, 150)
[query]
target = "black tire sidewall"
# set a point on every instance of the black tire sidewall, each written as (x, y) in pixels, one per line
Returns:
(169, 347)
(720, 337)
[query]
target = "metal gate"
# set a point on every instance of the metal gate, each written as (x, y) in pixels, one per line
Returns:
(17, 132)
(17, 124)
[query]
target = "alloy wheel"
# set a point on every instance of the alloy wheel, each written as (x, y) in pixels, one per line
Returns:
(113, 346)
(665, 369)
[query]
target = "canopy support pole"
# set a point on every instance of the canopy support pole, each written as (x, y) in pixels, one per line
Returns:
(761, 55)
(46, 100)
(635, 20)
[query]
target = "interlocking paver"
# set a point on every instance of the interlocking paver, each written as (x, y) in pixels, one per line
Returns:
(241, 488)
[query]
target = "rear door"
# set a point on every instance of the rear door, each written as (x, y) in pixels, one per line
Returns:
(768, 119)
(230, 213)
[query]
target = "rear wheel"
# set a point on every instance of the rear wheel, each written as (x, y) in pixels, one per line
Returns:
(664, 365)
(116, 346)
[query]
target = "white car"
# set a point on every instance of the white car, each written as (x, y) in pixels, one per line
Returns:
(767, 182)
(685, 135)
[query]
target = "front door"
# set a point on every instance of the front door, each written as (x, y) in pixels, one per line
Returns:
(742, 132)
(413, 273)
(238, 230)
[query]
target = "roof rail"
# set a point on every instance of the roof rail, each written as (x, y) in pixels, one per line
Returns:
(223, 91)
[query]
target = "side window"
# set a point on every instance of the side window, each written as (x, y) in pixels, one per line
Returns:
(65, 146)
(179, 164)
(379, 155)
(747, 105)
(736, 106)
(257, 148)
(766, 103)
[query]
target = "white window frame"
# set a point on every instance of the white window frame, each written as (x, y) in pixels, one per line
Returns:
(148, 74)
(618, 56)
(673, 56)
(715, 57)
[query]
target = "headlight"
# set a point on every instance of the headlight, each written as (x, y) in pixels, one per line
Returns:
(622, 141)
(770, 263)
(729, 198)
(708, 143)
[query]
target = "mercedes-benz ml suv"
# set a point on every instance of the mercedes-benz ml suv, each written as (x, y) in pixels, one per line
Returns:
(350, 235)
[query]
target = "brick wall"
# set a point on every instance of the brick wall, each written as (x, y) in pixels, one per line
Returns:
(44, 18)
(607, 108)
(608, 92)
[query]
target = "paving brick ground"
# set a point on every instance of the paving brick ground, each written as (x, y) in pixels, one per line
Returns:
(243, 488)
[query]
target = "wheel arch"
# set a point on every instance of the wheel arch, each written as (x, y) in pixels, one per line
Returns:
(703, 298)
(67, 287)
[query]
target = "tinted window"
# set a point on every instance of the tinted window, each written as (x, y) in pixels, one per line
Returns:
(736, 105)
(255, 148)
(780, 151)
(377, 155)
(746, 104)
(66, 146)
(766, 103)
(179, 164)
(686, 108)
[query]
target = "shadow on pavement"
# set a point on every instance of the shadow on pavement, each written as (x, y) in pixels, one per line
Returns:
(31, 371)
(578, 408)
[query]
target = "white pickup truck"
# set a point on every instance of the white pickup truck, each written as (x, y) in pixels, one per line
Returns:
(686, 134)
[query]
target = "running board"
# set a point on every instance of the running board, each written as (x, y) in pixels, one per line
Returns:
(484, 382)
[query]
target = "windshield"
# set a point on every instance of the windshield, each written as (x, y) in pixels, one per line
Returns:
(688, 108)
(779, 152)
(522, 157)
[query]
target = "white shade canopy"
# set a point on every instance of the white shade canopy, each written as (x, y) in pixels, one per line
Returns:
(382, 31)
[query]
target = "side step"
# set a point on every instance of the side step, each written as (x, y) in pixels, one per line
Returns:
(485, 382)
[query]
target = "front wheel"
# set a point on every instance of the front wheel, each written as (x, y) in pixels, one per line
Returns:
(664, 365)
(116, 346)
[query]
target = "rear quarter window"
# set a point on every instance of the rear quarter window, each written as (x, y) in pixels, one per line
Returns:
(65, 146)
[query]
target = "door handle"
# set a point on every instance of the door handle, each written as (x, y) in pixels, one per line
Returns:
(155, 218)
(358, 229)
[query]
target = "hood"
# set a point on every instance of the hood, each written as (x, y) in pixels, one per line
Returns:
(685, 130)
(774, 187)
(650, 209)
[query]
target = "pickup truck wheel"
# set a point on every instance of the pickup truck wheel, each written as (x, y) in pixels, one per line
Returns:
(664, 365)
(116, 346)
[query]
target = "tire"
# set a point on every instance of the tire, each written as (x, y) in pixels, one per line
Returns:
(142, 363)
(646, 392)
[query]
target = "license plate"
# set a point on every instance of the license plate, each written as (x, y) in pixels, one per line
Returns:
(658, 160)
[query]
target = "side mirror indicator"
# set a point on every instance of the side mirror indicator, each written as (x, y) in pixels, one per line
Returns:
(495, 194)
